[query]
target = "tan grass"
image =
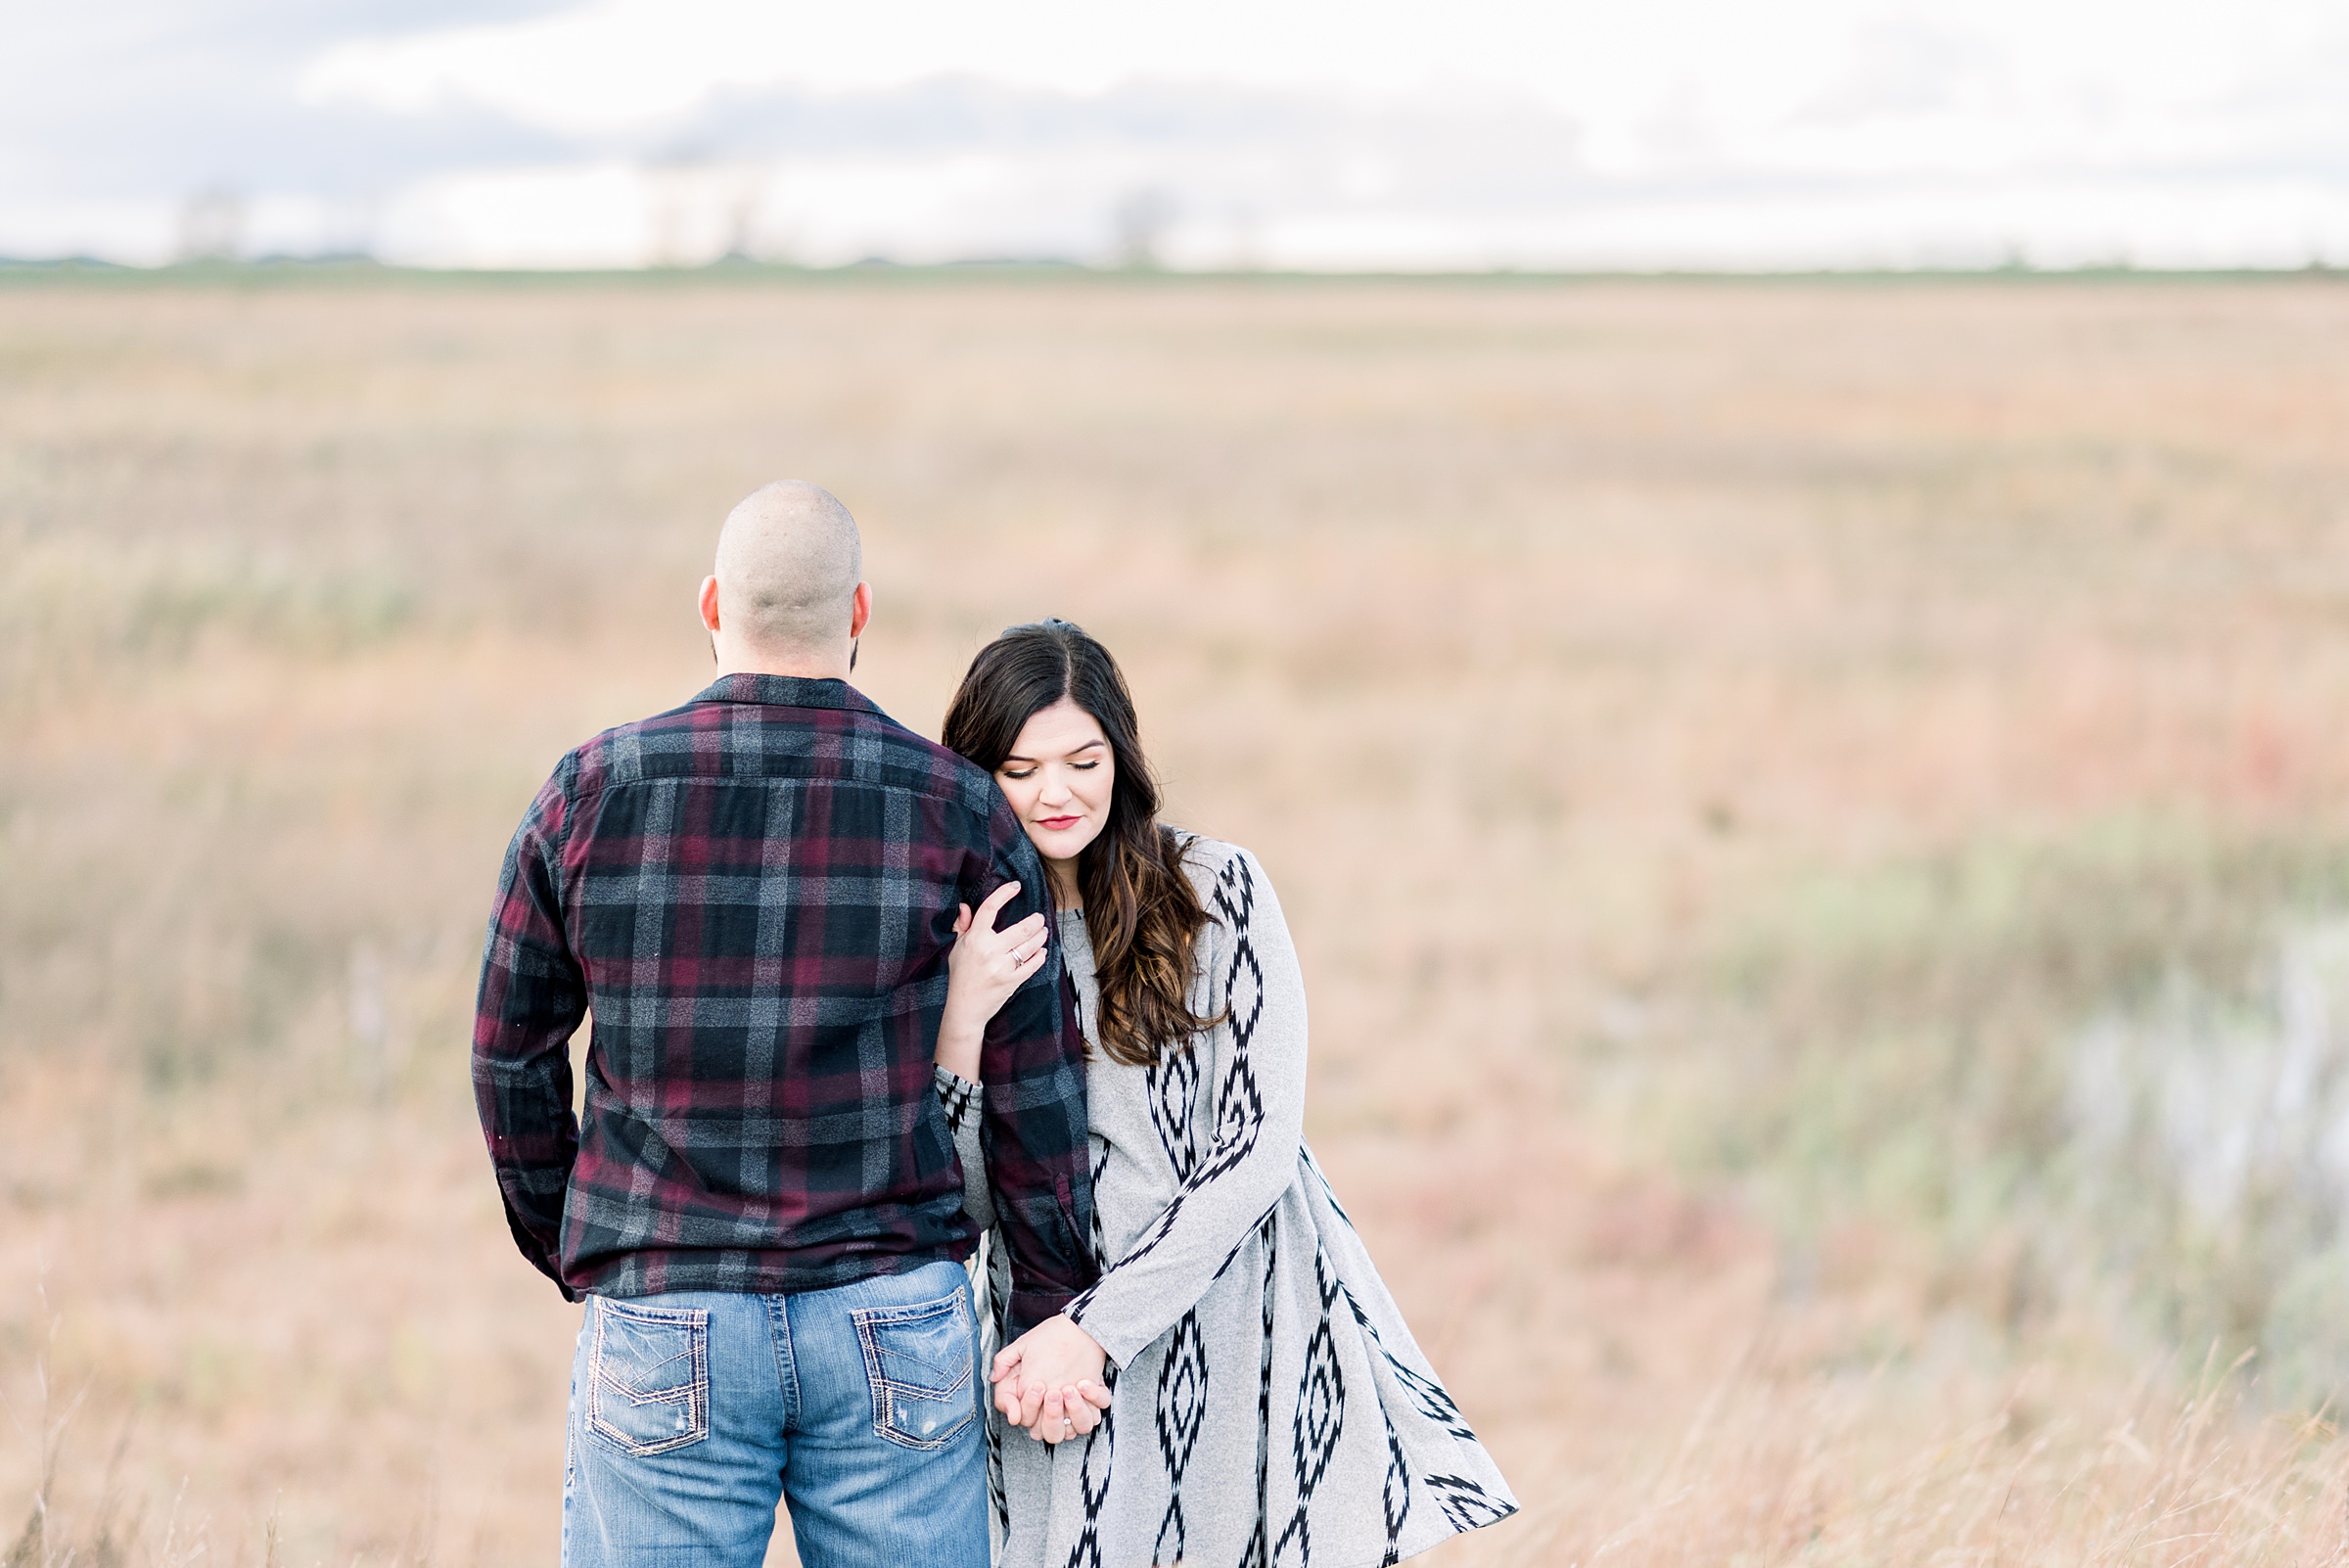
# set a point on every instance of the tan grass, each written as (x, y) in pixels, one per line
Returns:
(1550, 642)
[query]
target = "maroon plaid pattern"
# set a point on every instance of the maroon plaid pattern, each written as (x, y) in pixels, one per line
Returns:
(754, 896)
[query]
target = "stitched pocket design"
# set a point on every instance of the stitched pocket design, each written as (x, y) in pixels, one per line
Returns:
(918, 1360)
(648, 1377)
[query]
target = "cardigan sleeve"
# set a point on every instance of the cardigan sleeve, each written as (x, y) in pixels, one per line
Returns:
(958, 1097)
(1260, 1125)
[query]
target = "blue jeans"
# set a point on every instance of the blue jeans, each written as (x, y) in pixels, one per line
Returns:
(692, 1414)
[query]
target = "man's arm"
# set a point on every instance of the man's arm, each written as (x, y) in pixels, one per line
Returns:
(1032, 1121)
(531, 1000)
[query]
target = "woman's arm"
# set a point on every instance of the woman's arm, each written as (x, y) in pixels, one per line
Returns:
(958, 1097)
(1260, 1126)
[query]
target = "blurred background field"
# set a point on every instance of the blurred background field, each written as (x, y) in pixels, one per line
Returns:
(1814, 814)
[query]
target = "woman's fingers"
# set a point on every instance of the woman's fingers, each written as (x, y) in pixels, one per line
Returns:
(1015, 943)
(994, 903)
(1093, 1394)
(1081, 1415)
(1017, 949)
(1028, 932)
(1010, 1396)
(1026, 948)
(1051, 1423)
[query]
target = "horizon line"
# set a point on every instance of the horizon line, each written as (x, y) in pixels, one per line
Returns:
(742, 269)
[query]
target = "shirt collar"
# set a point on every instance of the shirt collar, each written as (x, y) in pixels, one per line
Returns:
(786, 691)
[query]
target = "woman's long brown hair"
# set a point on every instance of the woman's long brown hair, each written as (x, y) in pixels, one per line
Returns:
(1140, 911)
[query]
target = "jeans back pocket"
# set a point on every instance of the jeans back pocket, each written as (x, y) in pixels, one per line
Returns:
(918, 1359)
(648, 1376)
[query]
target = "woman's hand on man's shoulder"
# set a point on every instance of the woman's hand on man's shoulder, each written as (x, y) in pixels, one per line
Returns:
(983, 968)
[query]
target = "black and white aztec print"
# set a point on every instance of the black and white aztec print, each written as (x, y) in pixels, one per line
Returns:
(1181, 1411)
(1330, 1194)
(1319, 1421)
(995, 1499)
(1395, 1492)
(1101, 1446)
(1241, 1245)
(1174, 1084)
(1239, 1103)
(1092, 1478)
(1259, 1540)
(992, 1267)
(1343, 1395)
(1427, 1394)
(957, 1097)
(1467, 1504)
(1464, 1501)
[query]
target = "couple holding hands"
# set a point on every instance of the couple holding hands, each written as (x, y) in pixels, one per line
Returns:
(865, 1007)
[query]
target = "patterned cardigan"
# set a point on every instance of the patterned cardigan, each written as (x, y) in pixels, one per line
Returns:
(1269, 1403)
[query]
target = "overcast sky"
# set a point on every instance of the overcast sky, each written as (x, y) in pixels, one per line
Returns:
(1215, 133)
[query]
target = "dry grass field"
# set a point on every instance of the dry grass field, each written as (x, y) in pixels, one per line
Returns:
(1815, 815)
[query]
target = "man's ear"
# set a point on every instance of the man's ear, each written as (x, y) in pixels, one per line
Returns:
(860, 609)
(709, 603)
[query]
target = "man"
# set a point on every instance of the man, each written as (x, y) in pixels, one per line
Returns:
(754, 896)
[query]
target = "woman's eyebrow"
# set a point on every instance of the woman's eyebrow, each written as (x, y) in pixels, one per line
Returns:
(1087, 747)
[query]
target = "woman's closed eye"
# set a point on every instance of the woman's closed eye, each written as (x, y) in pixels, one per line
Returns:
(1084, 766)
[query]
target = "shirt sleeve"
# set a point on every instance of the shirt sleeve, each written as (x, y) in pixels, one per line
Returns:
(533, 997)
(1260, 1126)
(1032, 1129)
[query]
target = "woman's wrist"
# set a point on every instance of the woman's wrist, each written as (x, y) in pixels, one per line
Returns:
(958, 1042)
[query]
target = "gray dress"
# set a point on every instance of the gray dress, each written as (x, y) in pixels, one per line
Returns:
(1269, 1404)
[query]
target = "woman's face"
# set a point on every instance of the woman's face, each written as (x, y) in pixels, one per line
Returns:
(1058, 778)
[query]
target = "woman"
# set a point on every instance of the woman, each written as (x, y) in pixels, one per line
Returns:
(1262, 1401)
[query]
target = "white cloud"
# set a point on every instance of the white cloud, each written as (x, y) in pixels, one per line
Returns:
(1302, 133)
(1656, 86)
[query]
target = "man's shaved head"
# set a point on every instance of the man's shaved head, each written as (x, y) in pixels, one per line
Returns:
(788, 564)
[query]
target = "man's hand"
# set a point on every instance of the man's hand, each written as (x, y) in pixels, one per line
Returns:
(1048, 1380)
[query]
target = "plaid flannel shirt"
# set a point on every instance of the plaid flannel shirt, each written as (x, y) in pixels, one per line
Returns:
(753, 896)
